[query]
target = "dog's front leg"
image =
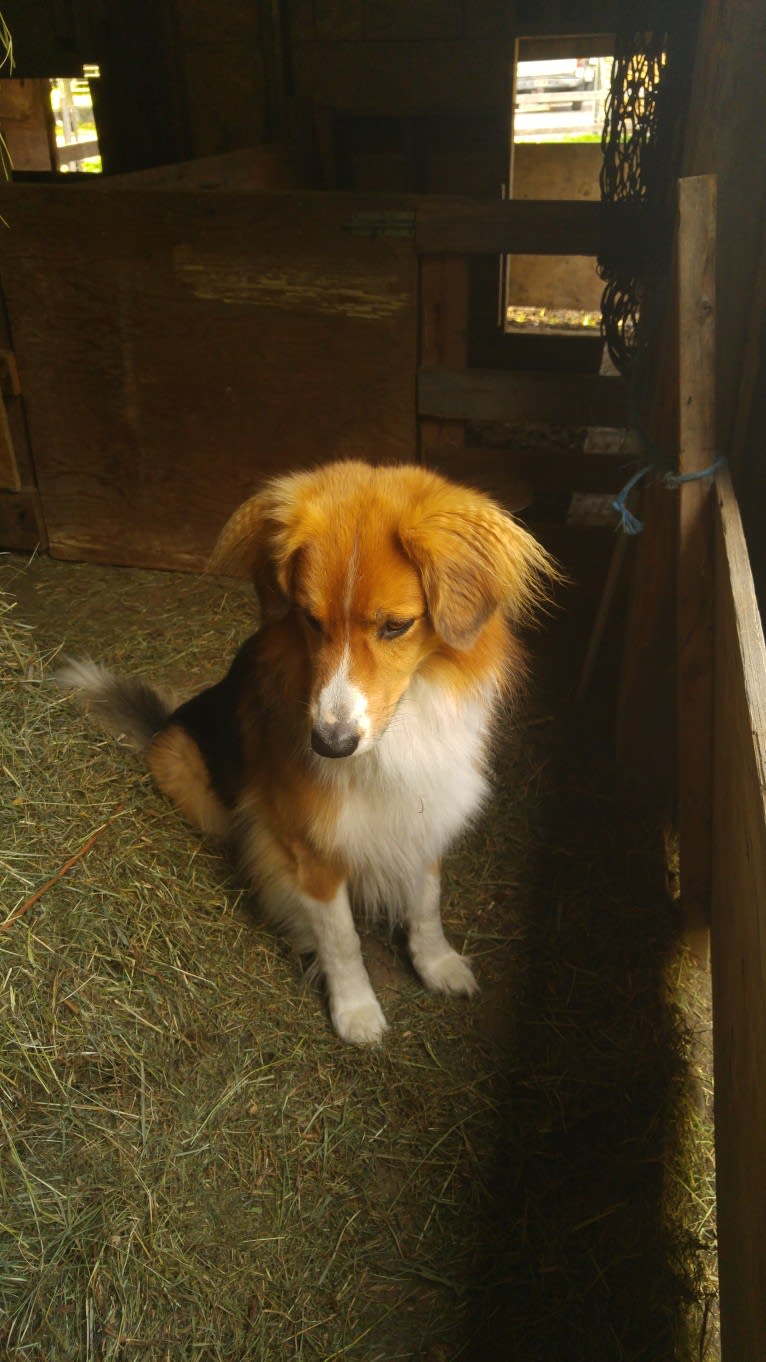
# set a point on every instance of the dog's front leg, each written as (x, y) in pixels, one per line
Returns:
(439, 966)
(308, 901)
(355, 1011)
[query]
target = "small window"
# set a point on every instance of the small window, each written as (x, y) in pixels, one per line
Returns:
(76, 137)
(557, 121)
(561, 100)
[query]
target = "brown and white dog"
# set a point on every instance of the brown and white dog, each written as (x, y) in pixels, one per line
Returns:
(347, 745)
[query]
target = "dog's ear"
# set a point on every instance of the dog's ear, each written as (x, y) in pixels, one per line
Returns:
(474, 558)
(259, 541)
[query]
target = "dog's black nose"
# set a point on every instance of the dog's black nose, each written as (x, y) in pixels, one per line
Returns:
(334, 740)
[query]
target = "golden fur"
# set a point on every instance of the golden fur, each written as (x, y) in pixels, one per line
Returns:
(347, 745)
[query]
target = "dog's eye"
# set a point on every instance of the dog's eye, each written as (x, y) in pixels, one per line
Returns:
(312, 621)
(395, 628)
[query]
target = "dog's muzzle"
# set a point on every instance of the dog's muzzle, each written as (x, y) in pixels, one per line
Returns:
(334, 740)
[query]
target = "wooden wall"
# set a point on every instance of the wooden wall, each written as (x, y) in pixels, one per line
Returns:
(725, 138)
(739, 938)
(554, 170)
(174, 346)
(190, 78)
(26, 122)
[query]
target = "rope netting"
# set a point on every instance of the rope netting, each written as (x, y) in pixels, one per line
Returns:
(641, 154)
(643, 123)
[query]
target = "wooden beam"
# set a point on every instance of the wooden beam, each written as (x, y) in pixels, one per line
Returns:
(519, 226)
(73, 152)
(738, 936)
(543, 48)
(498, 395)
(696, 360)
(546, 469)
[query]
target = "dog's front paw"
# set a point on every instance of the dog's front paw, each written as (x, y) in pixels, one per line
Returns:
(447, 973)
(360, 1022)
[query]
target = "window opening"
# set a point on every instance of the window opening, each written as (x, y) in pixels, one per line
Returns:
(76, 136)
(557, 121)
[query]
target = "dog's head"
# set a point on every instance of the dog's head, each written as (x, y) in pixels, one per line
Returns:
(388, 569)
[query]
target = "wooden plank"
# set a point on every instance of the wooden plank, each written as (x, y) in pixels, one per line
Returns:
(739, 937)
(541, 350)
(497, 395)
(27, 123)
(744, 451)
(724, 136)
(10, 385)
(546, 469)
(269, 166)
(523, 226)
(443, 339)
(567, 45)
(9, 473)
(202, 342)
(77, 151)
(413, 76)
(22, 526)
(15, 464)
(696, 361)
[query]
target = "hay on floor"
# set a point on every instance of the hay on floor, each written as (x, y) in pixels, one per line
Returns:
(193, 1166)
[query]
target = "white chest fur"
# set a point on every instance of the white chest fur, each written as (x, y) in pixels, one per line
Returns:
(403, 802)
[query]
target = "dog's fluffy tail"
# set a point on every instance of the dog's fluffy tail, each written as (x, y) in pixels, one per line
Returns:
(122, 704)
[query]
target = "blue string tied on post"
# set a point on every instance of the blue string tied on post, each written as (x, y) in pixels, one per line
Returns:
(628, 522)
(675, 479)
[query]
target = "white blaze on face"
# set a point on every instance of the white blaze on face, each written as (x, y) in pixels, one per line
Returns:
(339, 700)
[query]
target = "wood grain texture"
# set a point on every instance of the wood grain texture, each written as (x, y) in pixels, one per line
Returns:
(724, 135)
(269, 166)
(21, 522)
(518, 226)
(26, 118)
(444, 285)
(739, 937)
(9, 473)
(497, 395)
(696, 374)
(411, 76)
(201, 341)
(543, 467)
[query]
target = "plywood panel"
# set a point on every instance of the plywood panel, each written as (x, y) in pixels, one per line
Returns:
(739, 938)
(175, 347)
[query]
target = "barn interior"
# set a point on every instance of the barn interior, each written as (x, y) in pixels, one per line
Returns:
(287, 231)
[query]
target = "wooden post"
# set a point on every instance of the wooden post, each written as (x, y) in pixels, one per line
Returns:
(696, 361)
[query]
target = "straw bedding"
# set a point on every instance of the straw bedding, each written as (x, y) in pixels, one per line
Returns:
(193, 1167)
